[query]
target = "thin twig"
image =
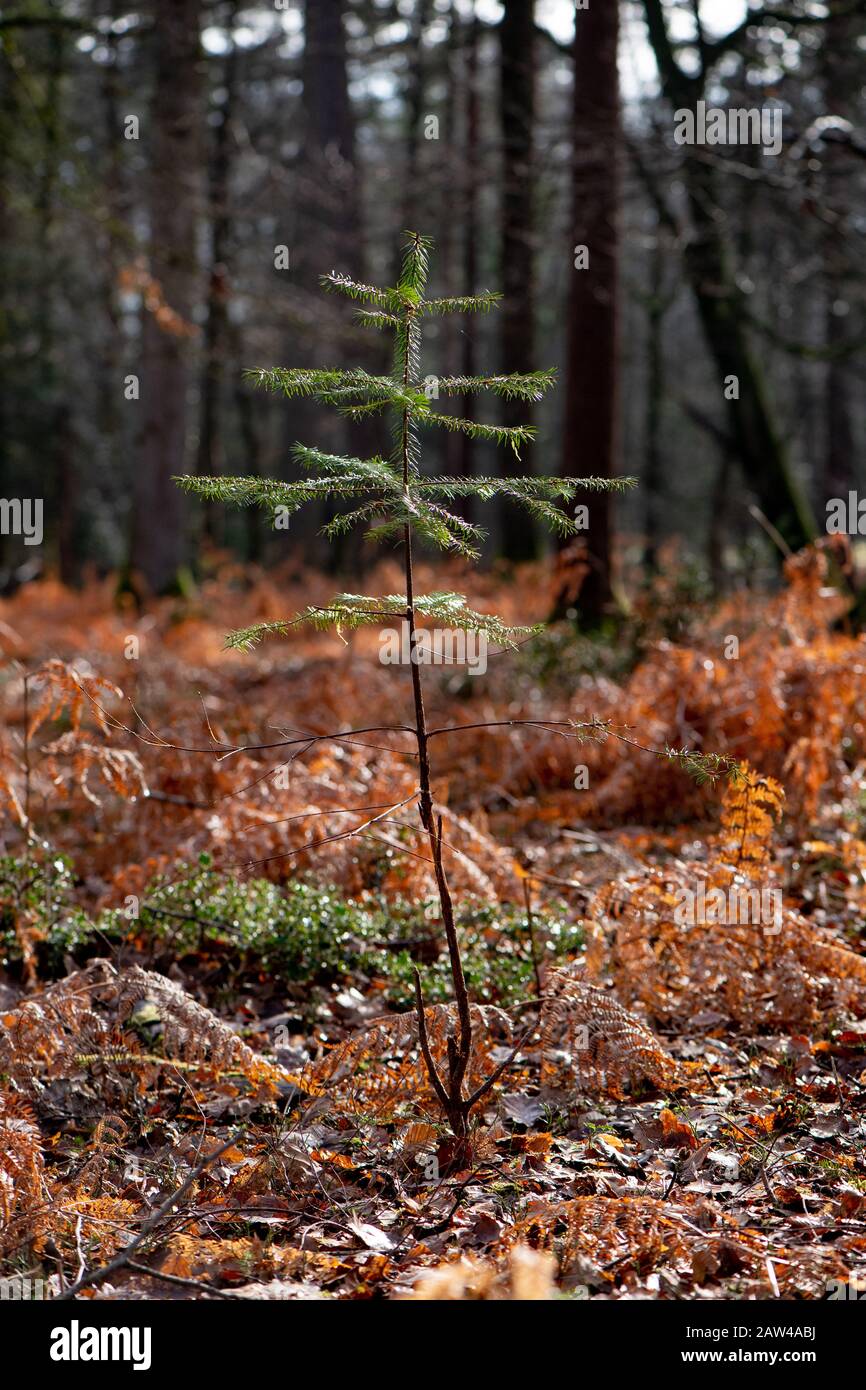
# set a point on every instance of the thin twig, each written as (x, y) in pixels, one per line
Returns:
(494, 1076)
(98, 1276)
(178, 1279)
(425, 1045)
(530, 926)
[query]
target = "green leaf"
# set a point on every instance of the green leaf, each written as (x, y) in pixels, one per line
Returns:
(340, 525)
(536, 485)
(295, 381)
(451, 610)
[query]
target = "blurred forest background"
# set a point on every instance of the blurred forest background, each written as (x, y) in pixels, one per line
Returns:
(176, 176)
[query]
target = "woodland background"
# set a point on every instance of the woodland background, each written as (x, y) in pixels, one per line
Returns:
(306, 126)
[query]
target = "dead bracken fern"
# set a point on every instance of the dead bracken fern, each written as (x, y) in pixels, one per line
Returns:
(72, 761)
(84, 1022)
(791, 703)
(751, 810)
(734, 971)
(621, 1236)
(63, 691)
(21, 1171)
(101, 1225)
(769, 970)
(379, 1071)
(65, 766)
(590, 1042)
(613, 1243)
(192, 1032)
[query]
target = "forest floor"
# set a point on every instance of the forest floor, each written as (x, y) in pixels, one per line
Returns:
(207, 981)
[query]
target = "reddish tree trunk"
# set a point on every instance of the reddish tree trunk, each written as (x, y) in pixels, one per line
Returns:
(517, 114)
(591, 418)
(174, 124)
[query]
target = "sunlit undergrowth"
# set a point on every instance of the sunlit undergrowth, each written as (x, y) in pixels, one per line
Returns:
(297, 932)
(683, 1092)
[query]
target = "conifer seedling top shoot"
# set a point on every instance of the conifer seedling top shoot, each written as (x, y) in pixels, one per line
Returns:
(396, 501)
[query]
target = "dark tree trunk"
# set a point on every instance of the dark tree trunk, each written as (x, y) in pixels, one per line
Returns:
(470, 239)
(8, 120)
(652, 480)
(330, 215)
(517, 116)
(66, 490)
(246, 406)
(112, 252)
(751, 421)
(60, 448)
(172, 129)
(209, 461)
(718, 522)
(710, 272)
(330, 188)
(840, 450)
(413, 101)
(842, 72)
(449, 156)
(591, 417)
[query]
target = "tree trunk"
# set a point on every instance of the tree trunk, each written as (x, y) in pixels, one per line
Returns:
(113, 251)
(652, 480)
(718, 522)
(470, 237)
(331, 191)
(759, 444)
(60, 448)
(413, 101)
(330, 218)
(517, 115)
(709, 268)
(841, 73)
(172, 130)
(591, 417)
(209, 461)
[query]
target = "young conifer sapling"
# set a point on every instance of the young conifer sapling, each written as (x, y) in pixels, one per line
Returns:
(398, 502)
